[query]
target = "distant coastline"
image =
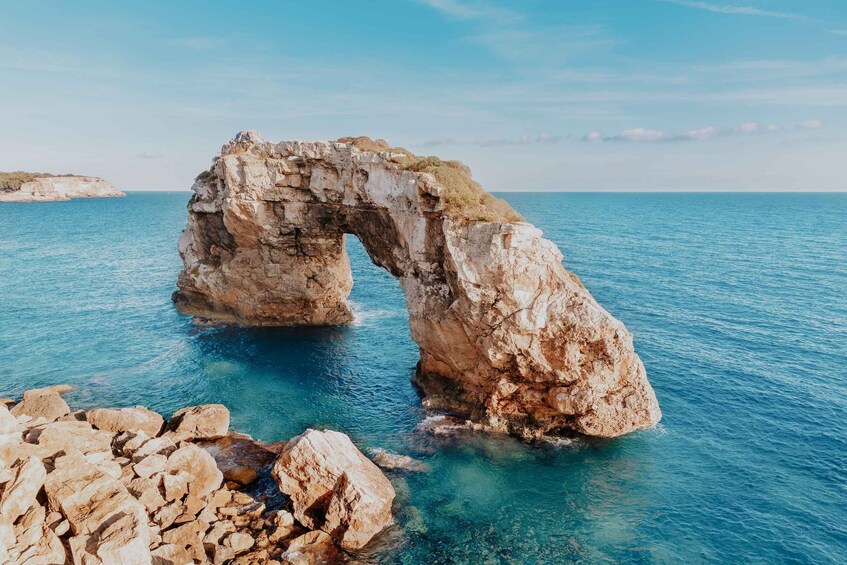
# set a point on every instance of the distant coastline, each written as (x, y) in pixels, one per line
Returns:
(20, 186)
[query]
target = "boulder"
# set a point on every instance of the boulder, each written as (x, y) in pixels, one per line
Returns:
(334, 487)
(207, 421)
(20, 493)
(200, 465)
(72, 436)
(133, 419)
(41, 403)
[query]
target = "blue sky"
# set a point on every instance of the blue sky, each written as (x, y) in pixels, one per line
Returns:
(533, 95)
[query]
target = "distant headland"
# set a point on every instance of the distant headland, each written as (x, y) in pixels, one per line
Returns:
(19, 186)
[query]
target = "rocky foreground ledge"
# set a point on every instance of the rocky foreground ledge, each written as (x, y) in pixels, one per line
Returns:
(124, 486)
(43, 187)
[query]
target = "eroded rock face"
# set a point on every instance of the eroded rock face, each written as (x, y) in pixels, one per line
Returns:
(334, 487)
(52, 188)
(508, 338)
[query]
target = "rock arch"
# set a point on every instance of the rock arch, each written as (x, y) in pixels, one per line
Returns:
(508, 338)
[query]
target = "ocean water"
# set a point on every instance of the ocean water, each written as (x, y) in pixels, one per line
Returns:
(738, 304)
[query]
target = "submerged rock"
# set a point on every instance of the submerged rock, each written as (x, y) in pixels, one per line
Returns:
(393, 461)
(508, 338)
(334, 487)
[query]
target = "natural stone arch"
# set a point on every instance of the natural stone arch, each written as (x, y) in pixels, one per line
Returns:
(507, 337)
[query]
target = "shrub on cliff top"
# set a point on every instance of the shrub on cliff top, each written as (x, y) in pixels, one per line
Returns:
(464, 198)
(12, 181)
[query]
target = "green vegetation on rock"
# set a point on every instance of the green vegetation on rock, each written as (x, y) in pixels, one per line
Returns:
(12, 181)
(465, 199)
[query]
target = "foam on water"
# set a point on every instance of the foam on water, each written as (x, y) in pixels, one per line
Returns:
(736, 302)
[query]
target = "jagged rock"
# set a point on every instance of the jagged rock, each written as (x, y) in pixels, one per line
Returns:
(176, 484)
(312, 548)
(19, 494)
(89, 498)
(155, 446)
(150, 465)
(508, 338)
(185, 535)
(40, 187)
(133, 419)
(238, 542)
(37, 546)
(41, 403)
(170, 554)
(125, 541)
(205, 475)
(147, 493)
(208, 421)
(334, 487)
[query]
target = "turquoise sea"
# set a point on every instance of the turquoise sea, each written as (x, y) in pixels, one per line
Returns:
(738, 304)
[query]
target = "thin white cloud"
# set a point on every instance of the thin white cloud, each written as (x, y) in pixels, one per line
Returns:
(647, 135)
(738, 10)
(545, 137)
(810, 124)
(640, 135)
(703, 133)
(837, 31)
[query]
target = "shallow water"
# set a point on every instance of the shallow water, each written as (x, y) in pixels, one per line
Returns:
(737, 303)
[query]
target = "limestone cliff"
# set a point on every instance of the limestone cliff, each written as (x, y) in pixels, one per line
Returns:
(38, 187)
(508, 338)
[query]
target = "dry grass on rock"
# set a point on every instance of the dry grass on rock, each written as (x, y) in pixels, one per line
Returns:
(465, 199)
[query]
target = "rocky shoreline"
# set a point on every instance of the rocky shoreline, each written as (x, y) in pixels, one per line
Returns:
(125, 486)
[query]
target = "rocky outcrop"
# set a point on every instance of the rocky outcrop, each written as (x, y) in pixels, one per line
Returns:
(508, 338)
(334, 487)
(117, 487)
(34, 187)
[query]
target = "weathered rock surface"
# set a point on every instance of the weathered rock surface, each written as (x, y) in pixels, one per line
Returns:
(41, 403)
(52, 188)
(508, 338)
(132, 419)
(207, 421)
(334, 487)
(97, 489)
